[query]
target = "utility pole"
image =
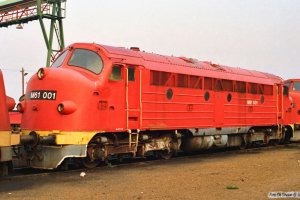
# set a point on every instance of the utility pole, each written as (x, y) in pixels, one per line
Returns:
(23, 80)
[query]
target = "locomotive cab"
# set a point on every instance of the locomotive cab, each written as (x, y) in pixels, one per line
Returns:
(81, 95)
(292, 107)
(59, 106)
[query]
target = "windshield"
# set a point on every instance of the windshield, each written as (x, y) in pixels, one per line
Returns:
(86, 59)
(60, 59)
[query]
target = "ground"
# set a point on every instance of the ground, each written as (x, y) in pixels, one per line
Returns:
(255, 173)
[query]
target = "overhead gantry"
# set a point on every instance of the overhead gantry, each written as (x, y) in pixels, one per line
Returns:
(18, 12)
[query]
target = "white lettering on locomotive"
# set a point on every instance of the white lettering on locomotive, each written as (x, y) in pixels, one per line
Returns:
(46, 95)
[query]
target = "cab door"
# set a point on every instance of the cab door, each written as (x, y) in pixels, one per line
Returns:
(287, 104)
(219, 108)
(133, 97)
(279, 99)
(219, 103)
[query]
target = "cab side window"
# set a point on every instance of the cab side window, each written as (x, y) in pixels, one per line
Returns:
(296, 86)
(131, 74)
(116, 73)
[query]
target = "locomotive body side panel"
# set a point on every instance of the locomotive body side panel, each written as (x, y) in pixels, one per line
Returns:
(170, 104)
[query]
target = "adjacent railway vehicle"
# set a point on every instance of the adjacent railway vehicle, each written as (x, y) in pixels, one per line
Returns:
(7, 139)
(291, 110)
(14, 115)
(97, 102)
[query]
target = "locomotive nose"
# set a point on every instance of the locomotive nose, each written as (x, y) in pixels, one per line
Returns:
(57, 98)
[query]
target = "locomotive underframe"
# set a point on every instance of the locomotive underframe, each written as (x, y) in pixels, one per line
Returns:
(135, 143)
(5, 160)
(5, 154)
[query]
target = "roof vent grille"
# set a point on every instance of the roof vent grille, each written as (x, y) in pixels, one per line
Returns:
(216, 66)
(135, 48)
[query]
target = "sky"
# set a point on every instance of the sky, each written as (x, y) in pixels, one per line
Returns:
(261, 35)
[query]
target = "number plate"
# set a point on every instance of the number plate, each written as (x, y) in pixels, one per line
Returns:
(42, 95)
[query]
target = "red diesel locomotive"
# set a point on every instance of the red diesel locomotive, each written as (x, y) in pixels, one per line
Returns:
(97, 101)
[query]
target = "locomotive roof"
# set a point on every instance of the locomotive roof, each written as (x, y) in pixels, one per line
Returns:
(186, 66)
(292, 79)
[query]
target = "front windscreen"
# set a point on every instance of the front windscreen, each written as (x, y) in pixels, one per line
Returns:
(86, 59)
(60, 59)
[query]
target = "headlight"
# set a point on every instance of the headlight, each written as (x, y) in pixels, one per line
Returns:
(21, 107)
(41, 73)
(66, 107)
(60, 107)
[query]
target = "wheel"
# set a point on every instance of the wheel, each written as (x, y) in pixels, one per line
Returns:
(287, 138)
(274, 142)
(244, 144)
(4, 168)
(91, 160)
(165, 154)
(90, 164)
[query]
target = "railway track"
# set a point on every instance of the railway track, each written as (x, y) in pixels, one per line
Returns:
(214, 153)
